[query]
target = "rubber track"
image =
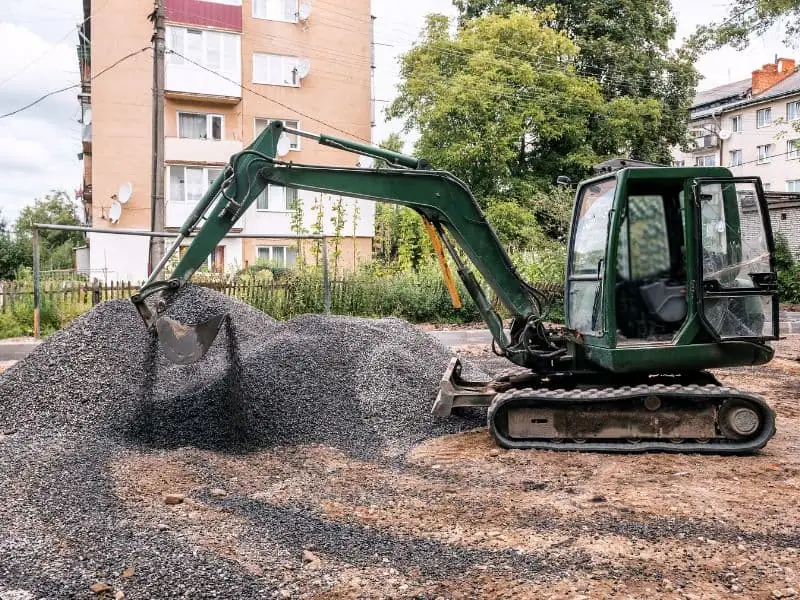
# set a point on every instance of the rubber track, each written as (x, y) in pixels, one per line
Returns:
(529, 397)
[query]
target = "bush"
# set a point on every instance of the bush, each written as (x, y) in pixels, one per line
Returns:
(788, 271)
(18, 321)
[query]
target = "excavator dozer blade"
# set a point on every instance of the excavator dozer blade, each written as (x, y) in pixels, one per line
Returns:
(186, 344)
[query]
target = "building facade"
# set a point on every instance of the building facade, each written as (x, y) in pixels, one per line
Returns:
(232, 67)
(751, 126)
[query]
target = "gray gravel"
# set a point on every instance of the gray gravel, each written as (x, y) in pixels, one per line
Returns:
(87, 394)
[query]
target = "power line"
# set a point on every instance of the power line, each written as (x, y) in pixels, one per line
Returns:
(73, 86)
(51, 48)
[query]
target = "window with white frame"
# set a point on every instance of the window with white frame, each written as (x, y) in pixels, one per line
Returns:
(764, 154)
(793, 185)
(200, 126)
(277, 198)
(793, 111)
(276, 69)
(678, 163)
(213, 50)
(736, 158)
(793, 149)
(188, 184)
(767, 186)
(709, 160)
(275, 10)
(294, 139)
(736, 124)
(764, 117)
(281, 256)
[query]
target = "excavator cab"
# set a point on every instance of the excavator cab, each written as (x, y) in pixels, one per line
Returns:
(669, 258)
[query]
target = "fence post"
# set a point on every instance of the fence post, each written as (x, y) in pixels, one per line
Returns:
(326, 284)
(36, 328)
(95, 292)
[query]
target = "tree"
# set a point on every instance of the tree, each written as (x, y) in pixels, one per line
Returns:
(12, 254)
(749, 19)
(488, 113)
(55, 246)
(624, 46)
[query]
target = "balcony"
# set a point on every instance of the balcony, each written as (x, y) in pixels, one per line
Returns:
(203, 63)
(705, 142)
(200, 151)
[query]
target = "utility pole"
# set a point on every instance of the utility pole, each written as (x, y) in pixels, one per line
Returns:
(157, 208)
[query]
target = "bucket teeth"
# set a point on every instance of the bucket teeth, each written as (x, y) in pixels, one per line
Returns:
(187, 344)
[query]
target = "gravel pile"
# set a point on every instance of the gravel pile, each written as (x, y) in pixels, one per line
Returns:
(101, 388)
(362, 385)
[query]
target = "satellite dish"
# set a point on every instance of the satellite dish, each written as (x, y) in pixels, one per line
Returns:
(303, 67)
(115, 212)
(724, 134)
(366, 162)
(125, 192)
(304, 12)
(284, 145)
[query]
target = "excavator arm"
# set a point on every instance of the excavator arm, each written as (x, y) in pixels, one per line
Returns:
(439, 197)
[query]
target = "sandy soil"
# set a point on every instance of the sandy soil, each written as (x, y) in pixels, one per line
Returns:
(592, 525)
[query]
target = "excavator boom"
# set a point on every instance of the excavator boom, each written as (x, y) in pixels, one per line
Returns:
(440, 198)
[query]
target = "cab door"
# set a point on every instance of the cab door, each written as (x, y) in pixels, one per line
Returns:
(734, 264)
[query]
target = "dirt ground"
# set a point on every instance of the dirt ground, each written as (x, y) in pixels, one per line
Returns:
(585, 525)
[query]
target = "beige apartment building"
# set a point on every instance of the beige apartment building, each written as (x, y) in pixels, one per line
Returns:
(753, 127)
(232, 66)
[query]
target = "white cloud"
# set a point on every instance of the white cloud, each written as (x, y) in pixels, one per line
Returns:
(38, 146)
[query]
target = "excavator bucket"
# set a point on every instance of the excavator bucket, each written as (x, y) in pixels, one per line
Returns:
(186, 344)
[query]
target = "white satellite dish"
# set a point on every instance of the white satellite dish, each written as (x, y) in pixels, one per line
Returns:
(303, 67)
(125, 192)
(304, 11)
(724, 134)
(115, 212)
(366, 162)
(284, 145)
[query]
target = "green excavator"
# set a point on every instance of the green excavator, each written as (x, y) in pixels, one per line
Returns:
(670, 272)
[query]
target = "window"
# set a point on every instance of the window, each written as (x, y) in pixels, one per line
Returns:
(213, 50)
(767, 186)
(709, 160)
(294, 139)
(678, 163)
(281, 256)
(783, 216)
(793, 185)
(793, 111)
(276, 198)
(764, 154)
(275, 10)
(736, 124)
(188, 184)
(793, 149)
(199, 126)
(275, 69)
(764, 117)
(736, 158)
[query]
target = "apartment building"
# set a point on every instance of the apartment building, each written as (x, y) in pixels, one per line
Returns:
(232, 67)
(751, 126)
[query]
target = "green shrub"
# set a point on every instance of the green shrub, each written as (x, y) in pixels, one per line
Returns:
(788, 271)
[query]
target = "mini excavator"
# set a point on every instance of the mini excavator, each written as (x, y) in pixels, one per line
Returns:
(670, 272)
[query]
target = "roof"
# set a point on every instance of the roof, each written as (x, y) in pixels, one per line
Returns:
(712, 101)
(736, 90)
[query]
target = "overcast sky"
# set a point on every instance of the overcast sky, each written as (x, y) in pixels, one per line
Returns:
(39, 147)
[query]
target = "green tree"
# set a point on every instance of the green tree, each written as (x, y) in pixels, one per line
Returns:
(488, 112)
(747, 20)
(624, 46)
(56, 246)
(12, 254)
